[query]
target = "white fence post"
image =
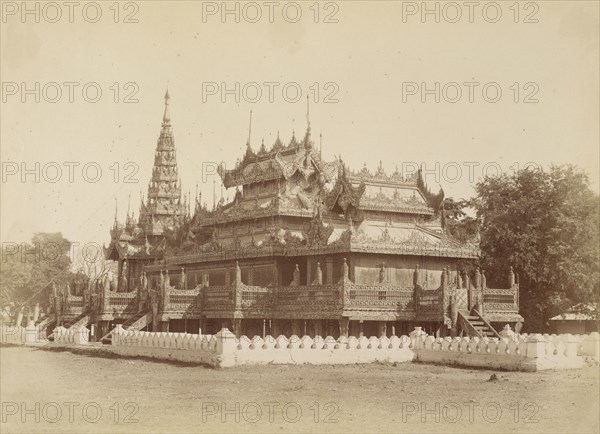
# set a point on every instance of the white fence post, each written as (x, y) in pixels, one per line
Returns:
(31, 333)
(225, 347)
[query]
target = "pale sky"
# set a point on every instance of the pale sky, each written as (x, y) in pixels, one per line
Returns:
(368, 55)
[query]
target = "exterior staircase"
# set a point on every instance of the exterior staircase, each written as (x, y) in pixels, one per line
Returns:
(80, 320)
(136, 322)
(46, 324)
(474, 324)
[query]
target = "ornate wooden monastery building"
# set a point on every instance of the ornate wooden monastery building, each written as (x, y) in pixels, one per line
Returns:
(305, 247)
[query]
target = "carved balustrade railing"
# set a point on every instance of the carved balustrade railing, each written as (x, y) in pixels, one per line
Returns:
(501, 300)
(185, 300)
(358, 296)
(430, 302)
(255, 297)
(308, 295)
(218, 298)
(120, 302)
(122, 299)
(296, 300)
(310, 301)
(74, 305)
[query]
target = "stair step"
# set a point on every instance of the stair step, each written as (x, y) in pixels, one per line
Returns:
(477, 323)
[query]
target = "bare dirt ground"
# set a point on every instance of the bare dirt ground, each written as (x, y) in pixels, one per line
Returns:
(59, 391)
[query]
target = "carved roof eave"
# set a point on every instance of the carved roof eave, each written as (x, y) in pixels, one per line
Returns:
(375, 180)
(419, 250)
(466, 252)
(143, 255)
(235, 177)
(114, 251)
(253, 214)
(398, 209)
(344, 188)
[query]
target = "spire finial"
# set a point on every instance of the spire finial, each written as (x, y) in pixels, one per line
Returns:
(166, 115)
(320, 144)
(308, 112)
(249, 128)
(116, 203)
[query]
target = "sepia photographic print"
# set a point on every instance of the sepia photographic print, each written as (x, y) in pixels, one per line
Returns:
(346, 216)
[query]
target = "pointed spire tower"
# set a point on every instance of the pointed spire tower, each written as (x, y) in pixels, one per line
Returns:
(164, 207)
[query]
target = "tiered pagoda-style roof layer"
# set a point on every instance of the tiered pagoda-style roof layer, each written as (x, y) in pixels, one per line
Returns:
(164, 208)
(163, 212)
(282, 195)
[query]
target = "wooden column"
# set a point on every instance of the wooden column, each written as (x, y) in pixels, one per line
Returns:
(382, 329)
(344, 325)
(329, 270)
(237, 327)
(361, 332)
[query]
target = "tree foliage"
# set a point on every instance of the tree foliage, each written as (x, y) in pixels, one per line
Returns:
(545, 224)
(457, 222)
(28, 269)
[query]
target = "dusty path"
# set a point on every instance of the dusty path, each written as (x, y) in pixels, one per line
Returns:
(70, 390)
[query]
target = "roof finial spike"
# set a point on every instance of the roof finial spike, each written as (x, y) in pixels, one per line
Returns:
(249, 128)
(166, 115)
(320, 144)
(116, 203)
(307, 112)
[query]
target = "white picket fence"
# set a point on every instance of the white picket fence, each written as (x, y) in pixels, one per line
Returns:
(519, 352)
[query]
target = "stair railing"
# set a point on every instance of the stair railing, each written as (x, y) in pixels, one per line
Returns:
(487, 323)
(466, 325)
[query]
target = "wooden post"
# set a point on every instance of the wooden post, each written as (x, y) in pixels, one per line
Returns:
(360, 329)
(344, 325)
(382, 329)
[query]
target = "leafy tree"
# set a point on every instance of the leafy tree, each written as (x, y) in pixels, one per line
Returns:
(28, 269)
(457, 222)
(545, 224)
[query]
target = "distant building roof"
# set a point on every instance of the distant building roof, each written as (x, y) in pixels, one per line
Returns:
(579, 312)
